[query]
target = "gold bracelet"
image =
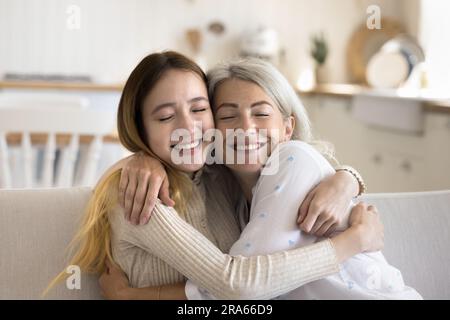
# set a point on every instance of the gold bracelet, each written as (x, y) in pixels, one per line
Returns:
(354, 173)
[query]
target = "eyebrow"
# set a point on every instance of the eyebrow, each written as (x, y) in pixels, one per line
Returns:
(235, 105)
(260, 103)
(173, 104)
(227, 104)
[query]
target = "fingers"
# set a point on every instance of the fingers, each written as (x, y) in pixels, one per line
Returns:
(164, 194)
(326, 228)
(372, 209)
(129, 195)
(114, 270)
(355, 214)
(359, 208)
(123, 186)
(101, 281)
(139, 199)
(323, 223)
(323, 219)
(311, 217)
(362, 205)
(331, 230)
(108, 264)
(150, 200)
(305, 206)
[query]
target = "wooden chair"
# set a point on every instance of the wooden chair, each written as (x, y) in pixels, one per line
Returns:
(60, 124)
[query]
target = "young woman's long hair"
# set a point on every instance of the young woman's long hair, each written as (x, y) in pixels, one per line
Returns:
(92, 242)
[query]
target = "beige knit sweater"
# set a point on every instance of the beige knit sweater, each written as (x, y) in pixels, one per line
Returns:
(169, 249)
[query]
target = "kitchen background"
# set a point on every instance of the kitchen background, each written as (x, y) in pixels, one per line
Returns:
(382, 96)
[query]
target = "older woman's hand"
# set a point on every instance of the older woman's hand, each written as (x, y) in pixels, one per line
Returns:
(325, 208)
(113, 283)
(143, 179)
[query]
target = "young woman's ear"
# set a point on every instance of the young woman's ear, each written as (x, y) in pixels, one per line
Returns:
(289, 128)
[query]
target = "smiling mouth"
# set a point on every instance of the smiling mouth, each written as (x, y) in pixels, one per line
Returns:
(248, 147)
(187, 146)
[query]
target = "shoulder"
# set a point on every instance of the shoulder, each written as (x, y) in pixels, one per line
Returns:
(294, 151)
(161, 222)
(295, 157)
(297, 147)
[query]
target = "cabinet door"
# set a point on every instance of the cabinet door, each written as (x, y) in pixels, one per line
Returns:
(333, 122)
(389, 160)
(437, 151)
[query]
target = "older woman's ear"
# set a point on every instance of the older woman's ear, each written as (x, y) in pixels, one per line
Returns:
(289, 128)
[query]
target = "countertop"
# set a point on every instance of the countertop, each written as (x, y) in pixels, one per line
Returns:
(335, 90)
(350, 90)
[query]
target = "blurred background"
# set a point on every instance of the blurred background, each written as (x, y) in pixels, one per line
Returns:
(373, 75)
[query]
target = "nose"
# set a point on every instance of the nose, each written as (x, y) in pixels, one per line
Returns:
(189, 124)
(247, 123)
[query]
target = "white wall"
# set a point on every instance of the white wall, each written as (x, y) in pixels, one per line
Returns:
(115, 34)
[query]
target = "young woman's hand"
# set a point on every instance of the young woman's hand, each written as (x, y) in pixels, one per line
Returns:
(113, 283)
(143, 179)
(366, 220)
(325, 208)
(365, 234)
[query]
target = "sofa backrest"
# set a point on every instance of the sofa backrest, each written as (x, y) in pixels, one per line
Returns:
(417, 238)
(37, 225)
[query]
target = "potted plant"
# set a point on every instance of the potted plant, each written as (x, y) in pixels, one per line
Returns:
(319, 52)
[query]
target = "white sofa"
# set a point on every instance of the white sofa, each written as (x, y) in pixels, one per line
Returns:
(37, 225)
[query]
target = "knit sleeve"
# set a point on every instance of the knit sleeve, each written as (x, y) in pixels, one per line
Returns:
(180, 245)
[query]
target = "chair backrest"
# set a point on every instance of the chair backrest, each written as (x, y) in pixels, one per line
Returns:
(54, 117)
(417, 238)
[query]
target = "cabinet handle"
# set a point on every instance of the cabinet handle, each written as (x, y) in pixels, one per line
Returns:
(406, 166)
(348, 107)
(377, 158)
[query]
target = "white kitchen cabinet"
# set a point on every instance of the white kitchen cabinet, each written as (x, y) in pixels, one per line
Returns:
(389, 160)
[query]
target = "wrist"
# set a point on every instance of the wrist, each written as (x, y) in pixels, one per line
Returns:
(357, 179)
(358, 237)
(350, 184)
(347, 244)
(126, 293)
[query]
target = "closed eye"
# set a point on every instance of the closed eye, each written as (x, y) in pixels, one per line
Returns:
(226, 118)
(199, 110)
(166, 118)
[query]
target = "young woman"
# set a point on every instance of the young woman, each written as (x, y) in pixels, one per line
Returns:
(166, 92)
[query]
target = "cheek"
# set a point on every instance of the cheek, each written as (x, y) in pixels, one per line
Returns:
(276, 130)
(207, 121)
(159, 139)
(222, 128)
